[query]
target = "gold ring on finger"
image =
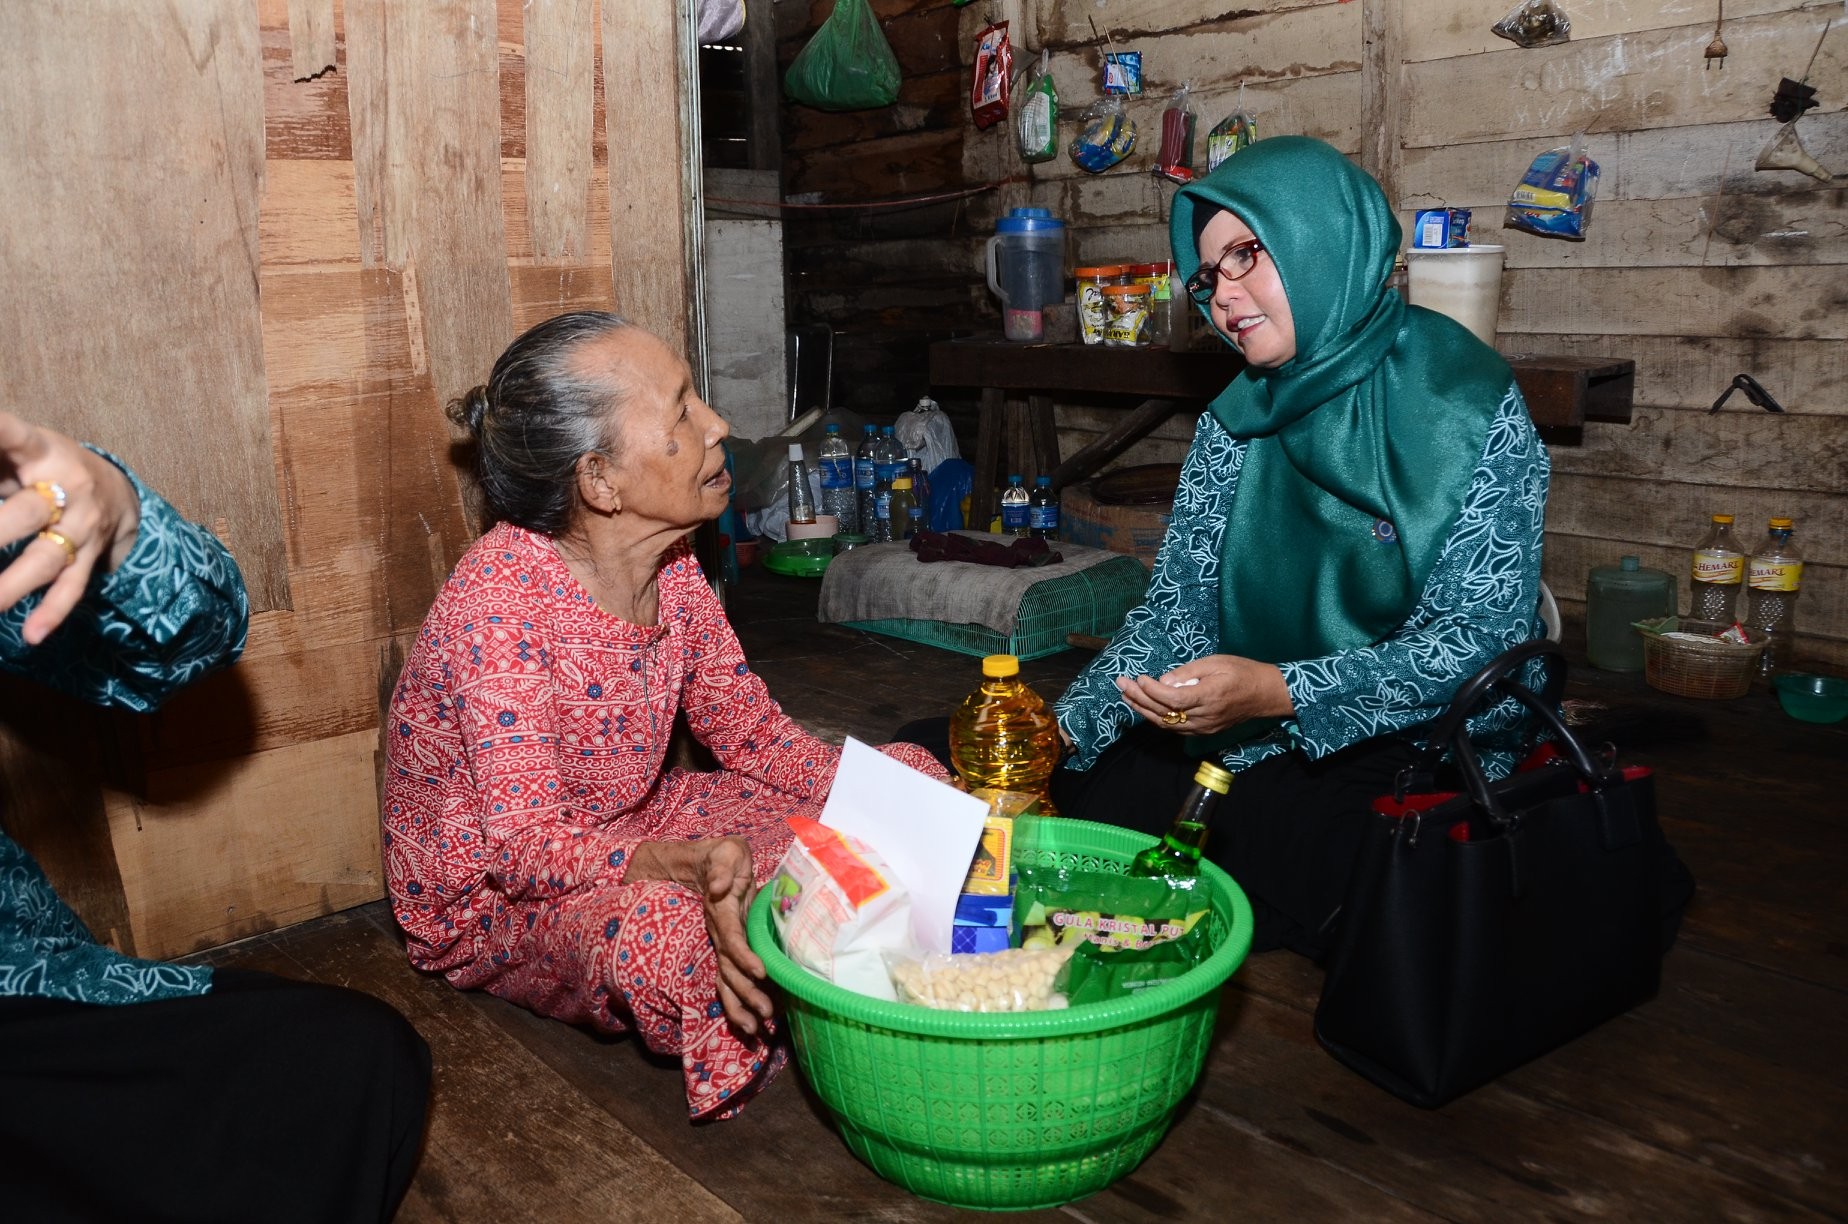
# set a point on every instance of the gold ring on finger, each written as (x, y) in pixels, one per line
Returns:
(58, 538)
(54, 496)
(1174, 718)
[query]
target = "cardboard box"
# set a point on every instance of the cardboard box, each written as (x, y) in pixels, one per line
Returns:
(1135, 531)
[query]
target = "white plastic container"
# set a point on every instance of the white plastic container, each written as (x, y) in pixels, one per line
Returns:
(1026, 262)
(1462, 282)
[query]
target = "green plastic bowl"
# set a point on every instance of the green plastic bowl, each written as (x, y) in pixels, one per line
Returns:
(1014, 1111)
(1816, 699)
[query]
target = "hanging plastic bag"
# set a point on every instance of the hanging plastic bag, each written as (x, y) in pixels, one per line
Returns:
(994, 72)
(1105, 136)
(1534, 23)
(1229, 135)
(1175, 161)
(926, 433)
(848, 65)
(1554, 198)
(1036, 130)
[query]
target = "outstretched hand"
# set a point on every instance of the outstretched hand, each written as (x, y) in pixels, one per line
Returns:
(80, 507)
(1213, 692)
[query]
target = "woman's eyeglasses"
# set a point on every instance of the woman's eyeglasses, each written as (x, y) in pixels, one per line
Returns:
(1237, 261)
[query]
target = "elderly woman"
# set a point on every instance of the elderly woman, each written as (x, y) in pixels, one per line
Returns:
(536, 845)
(1356, 531)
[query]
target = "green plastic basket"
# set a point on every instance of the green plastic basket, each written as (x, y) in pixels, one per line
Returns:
(1008, 1112)
(1093, 601)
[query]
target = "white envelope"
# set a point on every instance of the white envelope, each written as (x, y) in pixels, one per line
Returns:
(925, 830)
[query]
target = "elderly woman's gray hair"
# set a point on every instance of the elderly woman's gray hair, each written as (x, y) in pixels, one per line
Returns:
(536, 416)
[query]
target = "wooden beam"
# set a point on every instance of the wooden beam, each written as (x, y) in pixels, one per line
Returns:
(763, 88)
(1125, 433)
(1381, 75)
(560, 89)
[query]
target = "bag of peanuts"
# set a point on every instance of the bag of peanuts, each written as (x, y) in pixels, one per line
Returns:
(1126, 933)
(1013, 980)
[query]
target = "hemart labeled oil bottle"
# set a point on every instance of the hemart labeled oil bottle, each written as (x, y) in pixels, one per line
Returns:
(1178, 853)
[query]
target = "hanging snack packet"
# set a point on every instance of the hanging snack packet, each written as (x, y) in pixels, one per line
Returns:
(1554, 198)
(1123, 72)
(1175, 162)
(1036, 132)
(994, 70)
(1128, 933)
(1228, 136)
(839, 909)
(1105, 136)
(848, 65)
(1534, 23)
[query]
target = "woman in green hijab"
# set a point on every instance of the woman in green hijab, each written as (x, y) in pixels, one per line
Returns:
(1356, 531)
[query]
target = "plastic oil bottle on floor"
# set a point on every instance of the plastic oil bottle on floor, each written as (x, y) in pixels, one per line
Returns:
(1716, 574)
(1003, 736)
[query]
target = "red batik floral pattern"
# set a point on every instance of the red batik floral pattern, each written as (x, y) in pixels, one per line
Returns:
(527, 742)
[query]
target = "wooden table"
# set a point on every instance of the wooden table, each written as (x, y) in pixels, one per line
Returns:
(1019, 383)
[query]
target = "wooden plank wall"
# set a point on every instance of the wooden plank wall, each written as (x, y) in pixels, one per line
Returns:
(1695, 265)
(396, 250)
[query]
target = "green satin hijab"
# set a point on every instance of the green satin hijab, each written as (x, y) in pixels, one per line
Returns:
(1362, 446)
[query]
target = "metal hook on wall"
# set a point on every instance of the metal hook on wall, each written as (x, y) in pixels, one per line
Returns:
(1753, 391)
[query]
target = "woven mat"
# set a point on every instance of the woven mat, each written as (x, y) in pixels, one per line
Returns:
(888, 582)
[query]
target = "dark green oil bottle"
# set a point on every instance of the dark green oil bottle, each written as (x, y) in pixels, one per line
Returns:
(1178, 853)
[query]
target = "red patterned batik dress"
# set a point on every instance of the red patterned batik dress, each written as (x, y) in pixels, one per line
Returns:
(527, 741)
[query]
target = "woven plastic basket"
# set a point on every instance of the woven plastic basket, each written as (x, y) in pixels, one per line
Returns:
(1092, 601)
(1712, 669)
(1018, 1111)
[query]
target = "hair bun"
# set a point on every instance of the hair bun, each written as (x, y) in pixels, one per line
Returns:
(470, 409)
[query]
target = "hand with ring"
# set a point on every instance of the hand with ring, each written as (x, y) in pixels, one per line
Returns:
(76, 509)
(1209, 694)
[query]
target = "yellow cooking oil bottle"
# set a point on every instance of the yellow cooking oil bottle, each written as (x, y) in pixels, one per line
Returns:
(1003, 736)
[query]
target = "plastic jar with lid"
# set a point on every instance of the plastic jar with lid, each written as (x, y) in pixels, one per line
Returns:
(1128, 309)
(1093, 313)
(1159, 277)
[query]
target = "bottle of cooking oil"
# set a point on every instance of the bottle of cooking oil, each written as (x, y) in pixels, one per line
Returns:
(1003, 736)
(1775, 574)
(1178, 854)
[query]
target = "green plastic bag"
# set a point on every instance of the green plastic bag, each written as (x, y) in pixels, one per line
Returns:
(848, 65)
(1128, 933)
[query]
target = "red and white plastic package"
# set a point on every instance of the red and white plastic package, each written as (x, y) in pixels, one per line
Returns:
(994, 72)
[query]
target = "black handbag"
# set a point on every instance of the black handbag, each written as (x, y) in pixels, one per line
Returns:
(1483, 928)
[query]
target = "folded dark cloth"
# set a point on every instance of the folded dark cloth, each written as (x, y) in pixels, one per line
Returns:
(945, 546)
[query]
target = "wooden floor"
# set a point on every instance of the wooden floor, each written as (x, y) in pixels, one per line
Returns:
(1723, 1099)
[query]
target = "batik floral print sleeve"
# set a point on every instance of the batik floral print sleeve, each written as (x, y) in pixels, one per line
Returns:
(1178, 619)
(174, 610)
(1481, 598)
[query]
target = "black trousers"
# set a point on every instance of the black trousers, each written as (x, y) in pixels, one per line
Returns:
(265, 1099)
(1288, 831)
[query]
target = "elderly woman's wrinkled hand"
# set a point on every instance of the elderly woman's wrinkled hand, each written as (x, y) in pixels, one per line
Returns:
(80, 507)
(1208, 694)
(726, 885)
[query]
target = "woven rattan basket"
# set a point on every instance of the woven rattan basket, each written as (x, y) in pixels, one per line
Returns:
(1713, 668)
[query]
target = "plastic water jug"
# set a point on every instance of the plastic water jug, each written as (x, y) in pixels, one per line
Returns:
(1026, 269)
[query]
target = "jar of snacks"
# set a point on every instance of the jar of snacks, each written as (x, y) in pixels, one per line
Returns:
(1093, 312)
(1159, 278)
(1127, 307)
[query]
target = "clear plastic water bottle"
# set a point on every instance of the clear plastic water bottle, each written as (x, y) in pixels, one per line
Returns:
(837, 492)
(890, 461)
(1043, 511)
(1717, 571)
(1003, 736)
(864, 471)
(1776, 572)
(1014, 506)
(801, 497)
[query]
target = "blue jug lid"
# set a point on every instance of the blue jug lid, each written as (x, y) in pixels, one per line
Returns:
(1028, 221)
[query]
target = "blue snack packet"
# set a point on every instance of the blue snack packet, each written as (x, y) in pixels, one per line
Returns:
(1440, 227)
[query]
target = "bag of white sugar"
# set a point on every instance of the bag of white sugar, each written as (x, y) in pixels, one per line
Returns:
(839, 908)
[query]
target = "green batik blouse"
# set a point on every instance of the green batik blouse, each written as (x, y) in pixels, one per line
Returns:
(174, 610)
(1481, 598)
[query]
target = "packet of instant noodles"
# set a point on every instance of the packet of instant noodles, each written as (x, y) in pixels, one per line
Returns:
(1127, 933)
(839, 908)
(994, 72)
(1554, 198)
